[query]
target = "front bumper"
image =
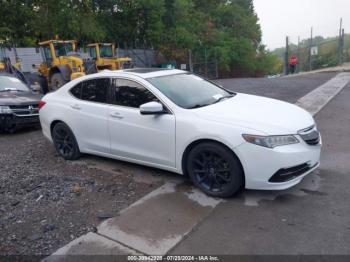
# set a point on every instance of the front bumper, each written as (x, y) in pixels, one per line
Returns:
(261, 164)
(13, 122)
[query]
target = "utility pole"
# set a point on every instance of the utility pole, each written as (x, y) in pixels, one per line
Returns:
(340, 44)
(206, 62)
(286, 57)
(298, 56)
(216, 64)
(310, 55)
(190, 60)
(342, 47)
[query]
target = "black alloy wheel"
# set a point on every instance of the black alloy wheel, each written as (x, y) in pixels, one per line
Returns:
(65, 142)
(215, 169)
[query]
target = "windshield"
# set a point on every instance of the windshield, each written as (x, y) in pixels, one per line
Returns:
(62, 49)
(12, 84)
(189, 91)
(106, 51)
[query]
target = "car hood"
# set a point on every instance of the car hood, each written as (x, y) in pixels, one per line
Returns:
(269, 116)
(18, 98)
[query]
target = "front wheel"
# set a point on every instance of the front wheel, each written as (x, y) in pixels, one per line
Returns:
(215, 169)
(65, 142)
(57, 81)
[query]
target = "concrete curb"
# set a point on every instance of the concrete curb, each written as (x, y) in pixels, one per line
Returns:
(151, 230)
(90, 244)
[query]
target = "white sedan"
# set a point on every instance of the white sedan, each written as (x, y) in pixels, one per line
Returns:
(177, 121)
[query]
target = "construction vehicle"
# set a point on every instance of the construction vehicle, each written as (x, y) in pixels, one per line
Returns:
(105, 58)
(5, 62)
(62, 63)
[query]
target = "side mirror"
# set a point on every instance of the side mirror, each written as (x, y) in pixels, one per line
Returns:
(152, 108)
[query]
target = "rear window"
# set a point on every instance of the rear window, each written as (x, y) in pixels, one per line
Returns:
(94, 90)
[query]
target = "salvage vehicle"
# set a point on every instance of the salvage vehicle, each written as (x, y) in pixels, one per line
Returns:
(177, 121)
(19, 106)
(105, 58)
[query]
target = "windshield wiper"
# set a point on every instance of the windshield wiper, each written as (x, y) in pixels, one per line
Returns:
(222, 98)
(9, 90)
(198, 106)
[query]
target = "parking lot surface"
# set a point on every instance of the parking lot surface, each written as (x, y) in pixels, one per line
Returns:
(288, 89)
(45, 202)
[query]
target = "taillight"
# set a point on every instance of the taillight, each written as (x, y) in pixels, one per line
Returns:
(41, 104)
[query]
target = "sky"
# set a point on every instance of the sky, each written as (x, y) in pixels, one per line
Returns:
(281, 18)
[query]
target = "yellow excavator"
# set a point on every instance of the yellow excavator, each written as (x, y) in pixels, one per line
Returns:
(5, 62)
(61, 63)
(105, 58)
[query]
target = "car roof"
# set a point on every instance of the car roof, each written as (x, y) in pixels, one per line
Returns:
(143, 72)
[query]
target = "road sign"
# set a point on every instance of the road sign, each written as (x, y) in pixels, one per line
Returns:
(314, 50)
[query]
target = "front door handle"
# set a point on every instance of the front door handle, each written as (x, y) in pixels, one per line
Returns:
(116, 115)
(76, 106)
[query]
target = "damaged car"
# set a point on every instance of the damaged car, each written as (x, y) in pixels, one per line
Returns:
(19, 105)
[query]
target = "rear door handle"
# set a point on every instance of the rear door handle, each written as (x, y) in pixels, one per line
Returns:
(116, 115)
(76, 106)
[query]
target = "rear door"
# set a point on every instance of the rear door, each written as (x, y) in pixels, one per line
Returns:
(90, 111)
(147, 138)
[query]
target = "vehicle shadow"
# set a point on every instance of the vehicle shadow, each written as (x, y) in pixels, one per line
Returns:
(308, 186)
(140, 173)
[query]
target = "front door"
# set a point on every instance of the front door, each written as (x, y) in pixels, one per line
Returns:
(146, 138)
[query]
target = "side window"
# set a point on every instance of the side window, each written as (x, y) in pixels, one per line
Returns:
(131, 94)
(92, 52)
(46, 52)
(76, 90)
(95, 90)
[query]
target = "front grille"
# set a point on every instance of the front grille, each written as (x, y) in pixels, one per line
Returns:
(286, 174)
(25, 110)
(310, 135)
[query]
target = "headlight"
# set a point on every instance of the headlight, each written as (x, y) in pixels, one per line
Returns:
(5, 110)
(271, 141)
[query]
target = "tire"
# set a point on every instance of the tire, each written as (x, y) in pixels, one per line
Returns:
(57, 81)
(65, 142)
(44, 88)
(215, 169)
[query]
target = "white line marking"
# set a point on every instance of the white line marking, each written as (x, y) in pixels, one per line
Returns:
(314, 101)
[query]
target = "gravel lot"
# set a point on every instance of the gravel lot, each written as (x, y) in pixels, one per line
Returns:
(45, 201)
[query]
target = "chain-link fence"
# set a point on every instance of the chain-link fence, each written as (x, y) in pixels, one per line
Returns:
(321, 55)
(204, 61)
(316, 53)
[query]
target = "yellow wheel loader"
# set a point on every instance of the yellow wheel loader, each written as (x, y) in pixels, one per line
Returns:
(105, 58)
(61, 64)
(5, 62)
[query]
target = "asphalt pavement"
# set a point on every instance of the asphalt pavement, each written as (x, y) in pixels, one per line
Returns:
(309, 219)
(288, 89)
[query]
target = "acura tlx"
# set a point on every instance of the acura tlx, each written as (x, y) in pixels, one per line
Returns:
(174, 120)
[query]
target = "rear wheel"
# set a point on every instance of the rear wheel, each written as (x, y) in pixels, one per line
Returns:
(65, 142)
(215, 169)
(57, 81)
